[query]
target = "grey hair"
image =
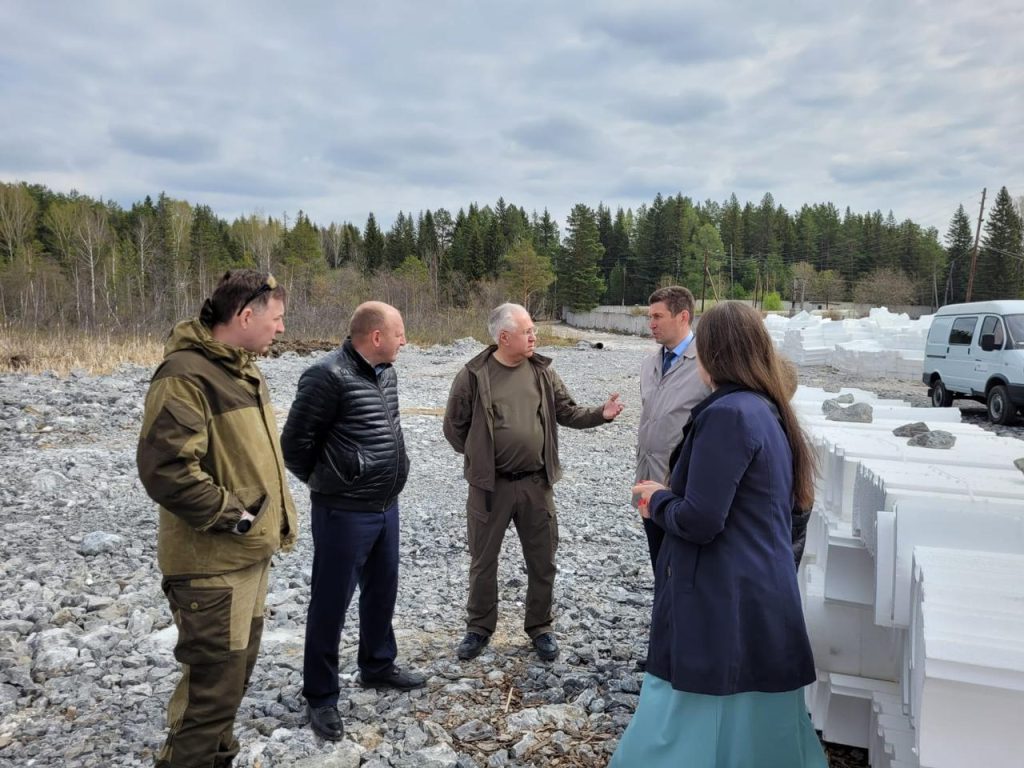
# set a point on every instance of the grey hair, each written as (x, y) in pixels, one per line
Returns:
(500, 319)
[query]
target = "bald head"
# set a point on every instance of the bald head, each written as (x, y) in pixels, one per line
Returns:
(377, 331)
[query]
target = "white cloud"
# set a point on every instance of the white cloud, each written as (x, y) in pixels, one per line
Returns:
(341, 110)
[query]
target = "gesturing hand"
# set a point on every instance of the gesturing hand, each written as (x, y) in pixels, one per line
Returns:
(612, 407)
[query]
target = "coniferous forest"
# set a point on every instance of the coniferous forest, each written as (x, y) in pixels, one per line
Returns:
(69, 261)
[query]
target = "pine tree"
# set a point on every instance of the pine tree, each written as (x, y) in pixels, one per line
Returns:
(373, 246)
(959, 243)
(998, 273)
(579, 277)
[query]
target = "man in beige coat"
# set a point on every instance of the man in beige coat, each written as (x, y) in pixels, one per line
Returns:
(670, 386)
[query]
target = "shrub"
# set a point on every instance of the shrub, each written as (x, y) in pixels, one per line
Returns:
(772, 301)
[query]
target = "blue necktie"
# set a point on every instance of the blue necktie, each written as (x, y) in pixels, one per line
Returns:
(666, 361)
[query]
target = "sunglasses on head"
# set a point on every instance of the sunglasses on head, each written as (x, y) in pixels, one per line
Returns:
(268, 285)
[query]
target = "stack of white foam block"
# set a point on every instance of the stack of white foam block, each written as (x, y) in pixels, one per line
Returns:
(883, 344)
(913, 588)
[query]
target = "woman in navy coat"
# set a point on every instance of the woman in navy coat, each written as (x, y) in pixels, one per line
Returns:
(729, 654)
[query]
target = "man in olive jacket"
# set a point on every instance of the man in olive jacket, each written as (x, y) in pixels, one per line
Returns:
(209, 455)
(503, 414)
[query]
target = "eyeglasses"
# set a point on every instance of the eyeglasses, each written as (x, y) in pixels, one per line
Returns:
(525, 332)
(269, 285)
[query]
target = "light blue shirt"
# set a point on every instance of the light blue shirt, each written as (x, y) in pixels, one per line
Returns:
(682, 345)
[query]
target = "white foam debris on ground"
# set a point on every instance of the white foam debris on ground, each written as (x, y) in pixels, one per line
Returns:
(913, 588)
(882, 345)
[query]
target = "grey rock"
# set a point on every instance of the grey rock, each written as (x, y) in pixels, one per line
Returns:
(524, 745)
(436, 756)
(98, 542)
(1019, 464)
(474, 730)
(861, 413)
(48, 481)
(910, 430)
(845, 399)
(347, 754)
(436, 731)
(415, 738)
(827, 406)
(54, 662)
(938, 438)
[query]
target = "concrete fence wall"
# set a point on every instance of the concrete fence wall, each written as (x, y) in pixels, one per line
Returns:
(610, 318)
(633, 319)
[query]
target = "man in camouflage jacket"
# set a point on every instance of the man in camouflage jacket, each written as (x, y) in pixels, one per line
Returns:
(209, 455)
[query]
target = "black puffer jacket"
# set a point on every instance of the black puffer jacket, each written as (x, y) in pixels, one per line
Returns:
(343, 437)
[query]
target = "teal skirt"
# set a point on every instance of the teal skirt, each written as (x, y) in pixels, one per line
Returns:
(692, 730)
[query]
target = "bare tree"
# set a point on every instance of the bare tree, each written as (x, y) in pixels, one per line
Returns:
(885, 286)
(179, 225)
(92, 241)
(258, 236)
(803, 277)
(330, 243)
(61, 220)
(144, 241)
(828, 284)
(17, 217)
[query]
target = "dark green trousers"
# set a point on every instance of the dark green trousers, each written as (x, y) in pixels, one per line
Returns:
(220, 624)
(529, 504)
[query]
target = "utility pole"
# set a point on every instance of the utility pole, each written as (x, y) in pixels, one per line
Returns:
(974, 256)
(704, 283)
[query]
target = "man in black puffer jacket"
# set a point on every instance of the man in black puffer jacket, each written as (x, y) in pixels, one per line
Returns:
(344, 440)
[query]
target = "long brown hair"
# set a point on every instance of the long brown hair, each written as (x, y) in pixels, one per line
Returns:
(734, 348)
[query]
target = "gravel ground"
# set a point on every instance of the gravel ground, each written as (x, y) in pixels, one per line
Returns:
(86, 637)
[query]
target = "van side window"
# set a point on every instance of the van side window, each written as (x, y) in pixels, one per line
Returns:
(963, 330)
(994, 326)
(1015, 325)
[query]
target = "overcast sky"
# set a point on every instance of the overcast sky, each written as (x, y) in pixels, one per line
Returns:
(339, 109)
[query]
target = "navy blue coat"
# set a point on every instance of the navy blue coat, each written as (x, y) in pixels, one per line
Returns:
(727, 616)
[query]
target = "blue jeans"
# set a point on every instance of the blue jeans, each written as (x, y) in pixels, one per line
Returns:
(350, 548)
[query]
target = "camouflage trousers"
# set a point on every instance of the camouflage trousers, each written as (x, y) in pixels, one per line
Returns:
(220, 623)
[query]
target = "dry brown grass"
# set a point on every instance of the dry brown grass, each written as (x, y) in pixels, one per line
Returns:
(65, 350)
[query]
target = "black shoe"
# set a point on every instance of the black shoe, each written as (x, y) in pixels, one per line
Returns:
(546, 645)
(326, 722)
(396, 677)
(471, 646)
(641, 664)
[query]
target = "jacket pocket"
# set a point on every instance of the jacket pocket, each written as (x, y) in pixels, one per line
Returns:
(681, 567)
(203, 617)
(255, 500)
(342, 462)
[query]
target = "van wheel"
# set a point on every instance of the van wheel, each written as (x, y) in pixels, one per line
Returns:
(941, 397)
(1000, 410)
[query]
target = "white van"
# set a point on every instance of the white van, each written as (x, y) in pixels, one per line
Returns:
(976, 351)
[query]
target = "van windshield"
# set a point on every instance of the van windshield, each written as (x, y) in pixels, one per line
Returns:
(1015, 325)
